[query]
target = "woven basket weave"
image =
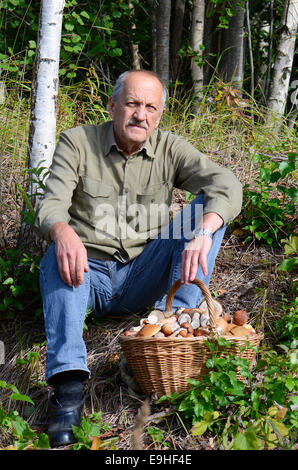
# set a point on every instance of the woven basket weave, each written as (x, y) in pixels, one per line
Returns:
(163, 365)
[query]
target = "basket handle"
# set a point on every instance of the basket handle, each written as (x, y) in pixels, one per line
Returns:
(205, 291)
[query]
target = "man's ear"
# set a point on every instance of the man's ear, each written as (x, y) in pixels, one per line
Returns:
(157, 124)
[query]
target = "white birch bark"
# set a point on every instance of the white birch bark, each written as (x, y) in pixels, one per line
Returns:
(136, 62)
(42, 140)
(197, 35)
(284, 59)
(265, 27)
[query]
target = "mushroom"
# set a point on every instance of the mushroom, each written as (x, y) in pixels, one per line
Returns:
(218, 307)
(194, 312)
(201, 332)
(184, 317)
(205, 320)
(227, 317)
(179, 310)
(167, 329)
(249, 327)
(168, 313)
(186, 310)
(155, 316)
(203, 307)
(175, 333)
(183, 332)
(196, 322)
(222, 327)
(188, 327)
(159, 334)
(240, 331)
(240, 317)
(149, 330)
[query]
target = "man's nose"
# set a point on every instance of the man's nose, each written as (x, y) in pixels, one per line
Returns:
(140, 113)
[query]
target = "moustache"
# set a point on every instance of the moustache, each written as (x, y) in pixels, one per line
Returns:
(134, 122)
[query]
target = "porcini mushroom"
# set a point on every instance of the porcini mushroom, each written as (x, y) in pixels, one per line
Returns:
(240, 317)
(149, 330)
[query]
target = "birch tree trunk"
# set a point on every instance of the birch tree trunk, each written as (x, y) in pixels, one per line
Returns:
(264, 63)
(284, 59)
(152, 15)
(163, 16)
(42, 133)
(232, 65)
(136, 62)
(42, 136)
(197, 38)
(177, 17)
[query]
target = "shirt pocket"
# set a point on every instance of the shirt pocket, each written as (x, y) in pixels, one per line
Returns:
(154, 202)
(156, 193)
(95, 188)
(89, 197)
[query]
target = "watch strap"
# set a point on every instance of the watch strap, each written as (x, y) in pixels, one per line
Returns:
(203, 231)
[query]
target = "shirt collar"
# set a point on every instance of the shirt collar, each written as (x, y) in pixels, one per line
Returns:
(109, 142)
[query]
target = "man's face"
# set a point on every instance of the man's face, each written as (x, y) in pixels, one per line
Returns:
(137, 112)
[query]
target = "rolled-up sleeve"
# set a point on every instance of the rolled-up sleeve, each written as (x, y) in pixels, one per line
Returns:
(60, 184)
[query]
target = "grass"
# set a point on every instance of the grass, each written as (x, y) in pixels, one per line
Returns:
(246, 276)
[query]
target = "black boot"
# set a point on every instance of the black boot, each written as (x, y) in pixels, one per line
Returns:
(66, 407)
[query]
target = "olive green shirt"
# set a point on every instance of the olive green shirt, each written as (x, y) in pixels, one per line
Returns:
(116, 203)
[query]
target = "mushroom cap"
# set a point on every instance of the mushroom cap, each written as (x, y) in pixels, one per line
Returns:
(149, 330)
(240, 331)
(217, 304)
(240, 317)
(222, 325)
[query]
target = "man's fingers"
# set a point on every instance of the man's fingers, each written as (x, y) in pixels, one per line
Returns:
(194, 267)
(195, 255)
(203, 263)
(185, 266)
(64, 271)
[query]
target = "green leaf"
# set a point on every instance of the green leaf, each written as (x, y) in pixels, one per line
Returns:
(286, 168)
(288, 264)
(8, 386)
(42, 442)
(19, 396)
(69, 27)
(199, 428)
(278, 427)
(85, 14)
(291, 245)
(247, 440)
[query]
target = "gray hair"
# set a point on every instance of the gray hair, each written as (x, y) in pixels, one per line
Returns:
(119, 85)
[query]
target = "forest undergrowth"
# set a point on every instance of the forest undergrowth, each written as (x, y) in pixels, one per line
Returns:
(255, 271)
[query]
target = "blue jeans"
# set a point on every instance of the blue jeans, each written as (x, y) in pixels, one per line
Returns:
(111, 287)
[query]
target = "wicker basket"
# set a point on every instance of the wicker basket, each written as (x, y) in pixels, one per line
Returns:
(163, 365)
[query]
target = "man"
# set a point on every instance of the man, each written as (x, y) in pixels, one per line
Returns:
(113, 246)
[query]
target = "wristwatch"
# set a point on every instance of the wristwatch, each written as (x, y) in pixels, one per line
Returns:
(202, 231)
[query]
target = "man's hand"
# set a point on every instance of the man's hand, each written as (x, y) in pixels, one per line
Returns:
(196, 252)
(71, 254)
